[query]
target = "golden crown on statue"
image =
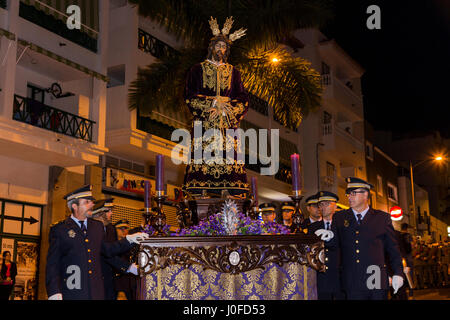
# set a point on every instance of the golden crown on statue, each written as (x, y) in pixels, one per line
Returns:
(226, 29)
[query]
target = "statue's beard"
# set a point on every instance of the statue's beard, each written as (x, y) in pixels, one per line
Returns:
(218, 56)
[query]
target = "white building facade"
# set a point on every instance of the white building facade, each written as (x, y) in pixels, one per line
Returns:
(333, 137)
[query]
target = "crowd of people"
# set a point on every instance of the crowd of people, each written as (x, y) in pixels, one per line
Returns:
(431, 263)
(361, 238)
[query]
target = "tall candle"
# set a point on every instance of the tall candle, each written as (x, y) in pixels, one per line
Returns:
(159, 172)
(147, 187)
(255, 190)
(295, 167)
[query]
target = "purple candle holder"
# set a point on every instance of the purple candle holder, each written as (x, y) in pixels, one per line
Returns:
(295, 167)
(160, 173)
(147, 199)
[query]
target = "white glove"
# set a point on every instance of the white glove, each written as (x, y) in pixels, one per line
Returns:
(56, 296)
(133, 269)
(325, 235)
(397, 282)
(137, 237)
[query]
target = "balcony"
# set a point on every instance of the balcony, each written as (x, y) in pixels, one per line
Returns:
(337, 91)
(40, 115)
(154, 46)
(348, 138)
(53, 22)
(327, 183)
(42, 134)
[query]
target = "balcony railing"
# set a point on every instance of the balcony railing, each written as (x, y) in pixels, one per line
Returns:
(154, 46)
(327, 129)
(40, 115)
(325, 79)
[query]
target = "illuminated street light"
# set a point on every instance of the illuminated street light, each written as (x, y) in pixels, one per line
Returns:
(275, 60)
(411, 167)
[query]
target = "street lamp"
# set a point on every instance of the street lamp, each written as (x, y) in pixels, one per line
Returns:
(411, 167)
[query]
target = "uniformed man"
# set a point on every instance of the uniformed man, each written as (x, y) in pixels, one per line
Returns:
(73, 270)
(267, 212)
(364, 236)
(122, 228)
(328, 282)
(103, 212)
(312, 206)
(125, 284)
(420, 254)
(287, 210)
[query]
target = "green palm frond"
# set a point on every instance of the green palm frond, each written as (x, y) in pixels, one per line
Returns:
(162, 83)
(291, 87)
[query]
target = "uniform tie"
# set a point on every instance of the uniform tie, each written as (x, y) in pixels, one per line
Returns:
(83, 228)
(359, 218)
(327, 226)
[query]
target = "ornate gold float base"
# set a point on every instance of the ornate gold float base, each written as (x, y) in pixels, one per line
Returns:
(230, 267)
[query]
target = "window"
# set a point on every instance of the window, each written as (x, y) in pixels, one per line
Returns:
(116, 76)
(35, 93)
(327, 126)
(392, 192)
(369, 150)
(326, 118)
(380, 185)
(330, 169)
(325, 68)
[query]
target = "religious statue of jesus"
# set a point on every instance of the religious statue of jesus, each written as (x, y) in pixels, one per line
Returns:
(216, 96)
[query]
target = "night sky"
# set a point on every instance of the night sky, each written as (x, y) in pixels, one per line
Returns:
(406, 86)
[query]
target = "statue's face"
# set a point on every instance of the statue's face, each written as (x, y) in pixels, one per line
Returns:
(220, 48)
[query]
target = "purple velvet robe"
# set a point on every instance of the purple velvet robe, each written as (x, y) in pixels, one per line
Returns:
(201, 88)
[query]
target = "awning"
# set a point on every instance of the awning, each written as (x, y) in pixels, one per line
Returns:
(57, 8)
(171, 118)
(7, 34)
(58, 58)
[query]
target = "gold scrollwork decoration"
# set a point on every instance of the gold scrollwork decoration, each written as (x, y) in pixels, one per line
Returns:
(217, 257)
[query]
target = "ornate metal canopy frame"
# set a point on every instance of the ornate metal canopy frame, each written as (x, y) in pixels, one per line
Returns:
(231, 254)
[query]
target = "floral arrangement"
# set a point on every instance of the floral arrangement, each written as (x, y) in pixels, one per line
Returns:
(213, 226)
(151, 231)
(227, 222)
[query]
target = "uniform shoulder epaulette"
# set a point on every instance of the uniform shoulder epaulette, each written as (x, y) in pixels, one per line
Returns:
(96, 221)
(58, 222)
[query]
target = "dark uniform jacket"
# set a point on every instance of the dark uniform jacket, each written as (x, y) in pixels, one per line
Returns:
(365, 245)
(69, 250)
(306, 223)
(110, 263)
(330, 280)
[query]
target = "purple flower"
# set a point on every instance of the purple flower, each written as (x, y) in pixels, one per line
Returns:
(212, 226)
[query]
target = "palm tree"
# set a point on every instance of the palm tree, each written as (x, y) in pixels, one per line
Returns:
(291, 86)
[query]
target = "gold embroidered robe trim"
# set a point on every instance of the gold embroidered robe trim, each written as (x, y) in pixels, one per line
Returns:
(210, 75)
